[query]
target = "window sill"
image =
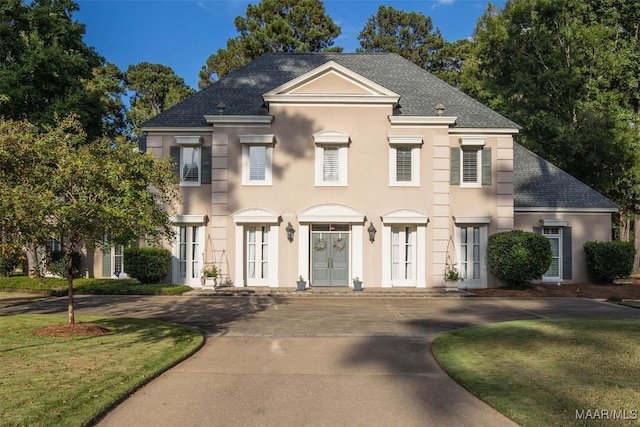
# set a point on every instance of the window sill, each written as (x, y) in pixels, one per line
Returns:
(190, 184)
(330, 184)
(404, 184)
(257, 184)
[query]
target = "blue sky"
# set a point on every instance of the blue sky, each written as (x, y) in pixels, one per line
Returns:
(183, 33)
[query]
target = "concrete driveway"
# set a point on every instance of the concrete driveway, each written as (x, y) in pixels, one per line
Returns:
(315, 361)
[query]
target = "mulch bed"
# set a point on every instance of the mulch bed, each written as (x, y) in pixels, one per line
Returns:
(71, 330)
(623, 291)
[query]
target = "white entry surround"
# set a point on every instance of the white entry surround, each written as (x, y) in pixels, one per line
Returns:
(256, 217)
(331, 213)
(418, 222)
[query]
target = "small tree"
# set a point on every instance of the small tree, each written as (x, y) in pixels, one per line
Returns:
(517, 257)
(57, 184)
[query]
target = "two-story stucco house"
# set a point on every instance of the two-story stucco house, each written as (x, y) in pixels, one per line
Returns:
(336, 166)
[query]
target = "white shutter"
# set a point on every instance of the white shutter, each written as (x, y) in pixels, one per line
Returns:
(331, 164)
(257, 157)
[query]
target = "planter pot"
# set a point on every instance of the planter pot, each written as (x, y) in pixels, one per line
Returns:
(451, 285)
(209, 282)
(357, 286)
(302, 285)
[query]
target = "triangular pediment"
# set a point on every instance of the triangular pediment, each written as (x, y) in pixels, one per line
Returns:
(331, 83)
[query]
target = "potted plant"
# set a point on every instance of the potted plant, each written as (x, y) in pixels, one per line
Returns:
(357, 284)
(451, 277)
(302, 284)
(209, 275)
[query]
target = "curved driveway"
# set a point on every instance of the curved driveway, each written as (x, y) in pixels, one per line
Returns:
(315, 361)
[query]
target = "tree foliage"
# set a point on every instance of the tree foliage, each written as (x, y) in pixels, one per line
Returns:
(409, 34)
(273, 26)
(155, 88)
(568, 72)
(44, 64)
(53, 183)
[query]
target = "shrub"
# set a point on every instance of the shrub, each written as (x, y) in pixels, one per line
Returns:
(56, 263)
(517, 257)
(8, 263)
(607, 261)
(148, 265)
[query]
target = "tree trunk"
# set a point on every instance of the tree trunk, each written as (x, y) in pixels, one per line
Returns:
(636, 244)
(32, 262)
(72, 319)
(625, 225)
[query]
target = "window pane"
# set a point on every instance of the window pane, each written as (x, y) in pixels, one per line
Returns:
(403, 164)
(257, 156)
(195, 264)
(331, 164)
(190, 164)
(395, 252)
(469, 166)
(182, 250)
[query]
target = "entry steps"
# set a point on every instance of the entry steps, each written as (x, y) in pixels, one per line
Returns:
(327, 292)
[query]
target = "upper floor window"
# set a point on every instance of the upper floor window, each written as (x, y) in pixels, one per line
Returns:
(257, 159)
(404, 160)
(331, 158)
(471, 163)
(192, 160)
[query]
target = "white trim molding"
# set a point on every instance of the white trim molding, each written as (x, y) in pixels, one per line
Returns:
(255, 216)
(331, 137)
(231, 121)
(472, 219)
(472, 141)
(422, 120)
(257, 139)
(405, 216)
(189, 219)
(485, 131)
(371, 92)
(405, 139)
(198, 129)
(188, 140)
(331, 212)
(565, 210)
(554, 222)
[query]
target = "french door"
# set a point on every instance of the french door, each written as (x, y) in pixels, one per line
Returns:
(188, 255)
(330, 255)
(472, 244)
(257, 255)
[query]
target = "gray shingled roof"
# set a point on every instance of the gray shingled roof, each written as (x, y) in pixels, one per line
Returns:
(539, 184)
(241, 91)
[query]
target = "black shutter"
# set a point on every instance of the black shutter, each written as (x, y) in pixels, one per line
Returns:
(174, 152)
(206, 165)
(455, 166)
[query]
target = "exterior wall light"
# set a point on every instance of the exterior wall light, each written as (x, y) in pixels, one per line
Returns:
(372, 232)
(290, 232)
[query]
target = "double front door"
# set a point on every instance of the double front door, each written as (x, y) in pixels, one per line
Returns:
(330, 255)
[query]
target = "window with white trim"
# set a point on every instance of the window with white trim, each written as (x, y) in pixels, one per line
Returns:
(470, 167)
(471, 244)
(257, 159)
(331, 158)
(190, 165)
(331, 166)
(554, 234)
(404, 160)
(192, 161)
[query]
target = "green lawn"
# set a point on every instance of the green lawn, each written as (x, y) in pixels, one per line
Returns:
(52, 286)
(56, 381)
(539, 373)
